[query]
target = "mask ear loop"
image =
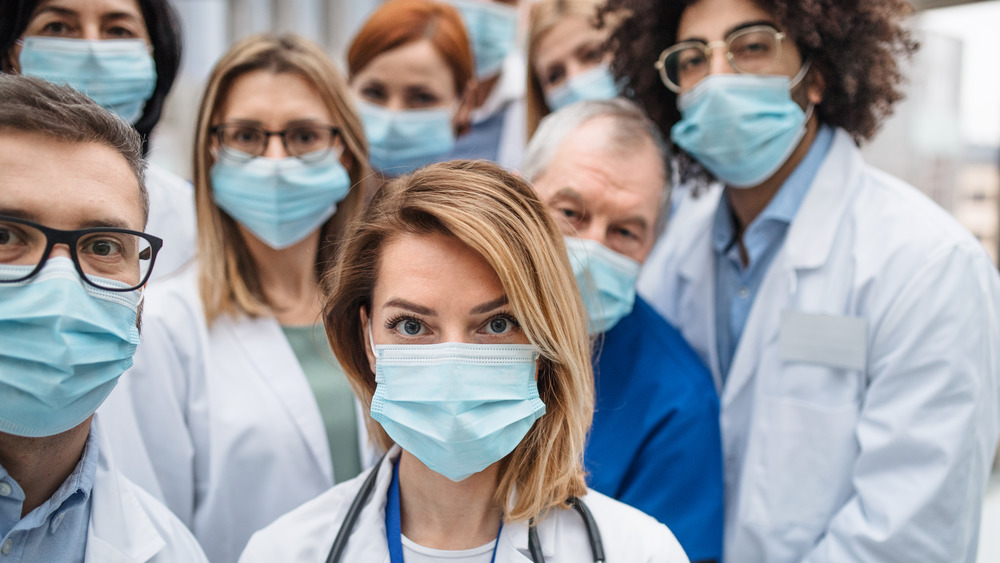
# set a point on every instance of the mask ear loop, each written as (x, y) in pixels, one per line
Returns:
(796, 80)
(371, 341)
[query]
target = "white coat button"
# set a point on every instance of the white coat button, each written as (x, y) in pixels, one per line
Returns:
(743, 292)
(5, 489)
(5, 548)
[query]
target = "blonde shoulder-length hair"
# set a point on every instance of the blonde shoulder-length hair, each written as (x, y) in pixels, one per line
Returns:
(228, 279)
(544, 15)
(498, 216)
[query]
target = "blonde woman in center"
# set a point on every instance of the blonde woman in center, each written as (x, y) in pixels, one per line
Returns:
(455, 314)
(244, 412)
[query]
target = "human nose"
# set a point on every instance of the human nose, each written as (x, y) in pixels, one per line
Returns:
(90, 31)
(596, 230)
(60, 249)
(719, 62)
(274, 146)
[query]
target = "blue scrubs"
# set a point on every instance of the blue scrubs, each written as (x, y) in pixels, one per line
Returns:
(655, 443)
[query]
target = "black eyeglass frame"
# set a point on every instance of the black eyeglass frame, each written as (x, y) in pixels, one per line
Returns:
(217, 131)
(71, 238)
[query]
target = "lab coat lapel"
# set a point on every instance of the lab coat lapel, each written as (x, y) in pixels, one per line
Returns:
(119, 530)
(696, 303)
(272, 358)
(807, 246)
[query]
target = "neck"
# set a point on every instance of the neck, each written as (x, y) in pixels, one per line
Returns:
(288, 278)
(748, 203)
(439, 513)
(41, 465)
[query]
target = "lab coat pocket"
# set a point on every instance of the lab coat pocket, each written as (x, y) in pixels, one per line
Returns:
(807, 451)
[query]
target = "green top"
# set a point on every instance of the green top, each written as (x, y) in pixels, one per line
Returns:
(333, 395)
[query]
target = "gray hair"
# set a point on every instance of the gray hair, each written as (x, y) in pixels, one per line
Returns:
(631, 128)
(33, 105)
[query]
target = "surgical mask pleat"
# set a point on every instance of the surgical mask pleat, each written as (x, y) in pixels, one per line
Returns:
(457, 407)
(64, 346)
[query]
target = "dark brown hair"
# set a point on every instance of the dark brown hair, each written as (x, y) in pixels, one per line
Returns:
(854, 45)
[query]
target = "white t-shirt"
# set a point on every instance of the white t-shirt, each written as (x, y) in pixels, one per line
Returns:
(414, 553)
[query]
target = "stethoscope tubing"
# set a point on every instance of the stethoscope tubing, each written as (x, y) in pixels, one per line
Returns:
(534, 546)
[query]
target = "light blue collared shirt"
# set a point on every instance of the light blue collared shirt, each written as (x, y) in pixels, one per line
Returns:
(736, 286)
(56, 530)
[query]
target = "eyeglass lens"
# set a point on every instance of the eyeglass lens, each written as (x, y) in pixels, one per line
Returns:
(298, 141)
(750, 51)
(108, 259)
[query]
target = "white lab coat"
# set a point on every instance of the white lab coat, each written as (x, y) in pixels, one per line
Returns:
(226, 418)
(306, 534)
(127, 525)
(172, 218)
(823, 463)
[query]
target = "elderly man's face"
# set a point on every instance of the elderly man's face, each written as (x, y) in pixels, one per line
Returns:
(66, 185)
(605, 195)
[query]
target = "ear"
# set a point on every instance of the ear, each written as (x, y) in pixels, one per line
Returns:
(816, 86)
(463, 117)
(365, 338)
(10, 62)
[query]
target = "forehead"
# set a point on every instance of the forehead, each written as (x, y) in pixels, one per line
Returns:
(713, 20)
(412, 64)
(273, 99)
(67, 185)
(434, 270)
(588, 164)
(565, 36)
(97, 8)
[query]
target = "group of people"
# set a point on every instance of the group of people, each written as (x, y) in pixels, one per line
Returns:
(629, 293)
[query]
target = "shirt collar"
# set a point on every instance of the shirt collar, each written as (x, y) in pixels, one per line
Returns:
(73, 492)
(785, 204)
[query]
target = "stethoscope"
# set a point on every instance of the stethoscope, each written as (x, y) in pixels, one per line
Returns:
(534, 547)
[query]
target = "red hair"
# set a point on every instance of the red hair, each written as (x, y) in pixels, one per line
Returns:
(399, 22)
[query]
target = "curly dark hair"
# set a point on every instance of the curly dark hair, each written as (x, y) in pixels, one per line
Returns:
(854, 44)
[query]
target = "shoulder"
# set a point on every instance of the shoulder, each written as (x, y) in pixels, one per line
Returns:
(628, 534)
(176, 297)
(659, 353)
(307, 532)
(180, 543)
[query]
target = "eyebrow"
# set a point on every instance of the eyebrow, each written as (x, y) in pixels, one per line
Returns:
(57, 10)
(409, 306)
(736, 28)
(489, 305)
(568, 193)
(91, 224)
(426, 311)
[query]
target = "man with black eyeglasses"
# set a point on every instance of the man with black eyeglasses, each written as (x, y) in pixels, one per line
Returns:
(73, 260)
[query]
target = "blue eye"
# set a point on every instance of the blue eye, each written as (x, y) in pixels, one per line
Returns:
(501, 324)
(406, 326)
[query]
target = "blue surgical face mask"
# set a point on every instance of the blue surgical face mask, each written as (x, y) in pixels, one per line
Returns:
(741, 127)
(458, 408)
(64, 344)
(399, 142)
(280, 200)
(606, 280)
(492, 29)
(594, 84)
(118, 74)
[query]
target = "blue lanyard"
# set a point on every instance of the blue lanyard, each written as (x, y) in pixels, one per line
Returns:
(393, 528)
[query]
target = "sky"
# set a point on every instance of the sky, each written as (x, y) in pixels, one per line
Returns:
(977, 25)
